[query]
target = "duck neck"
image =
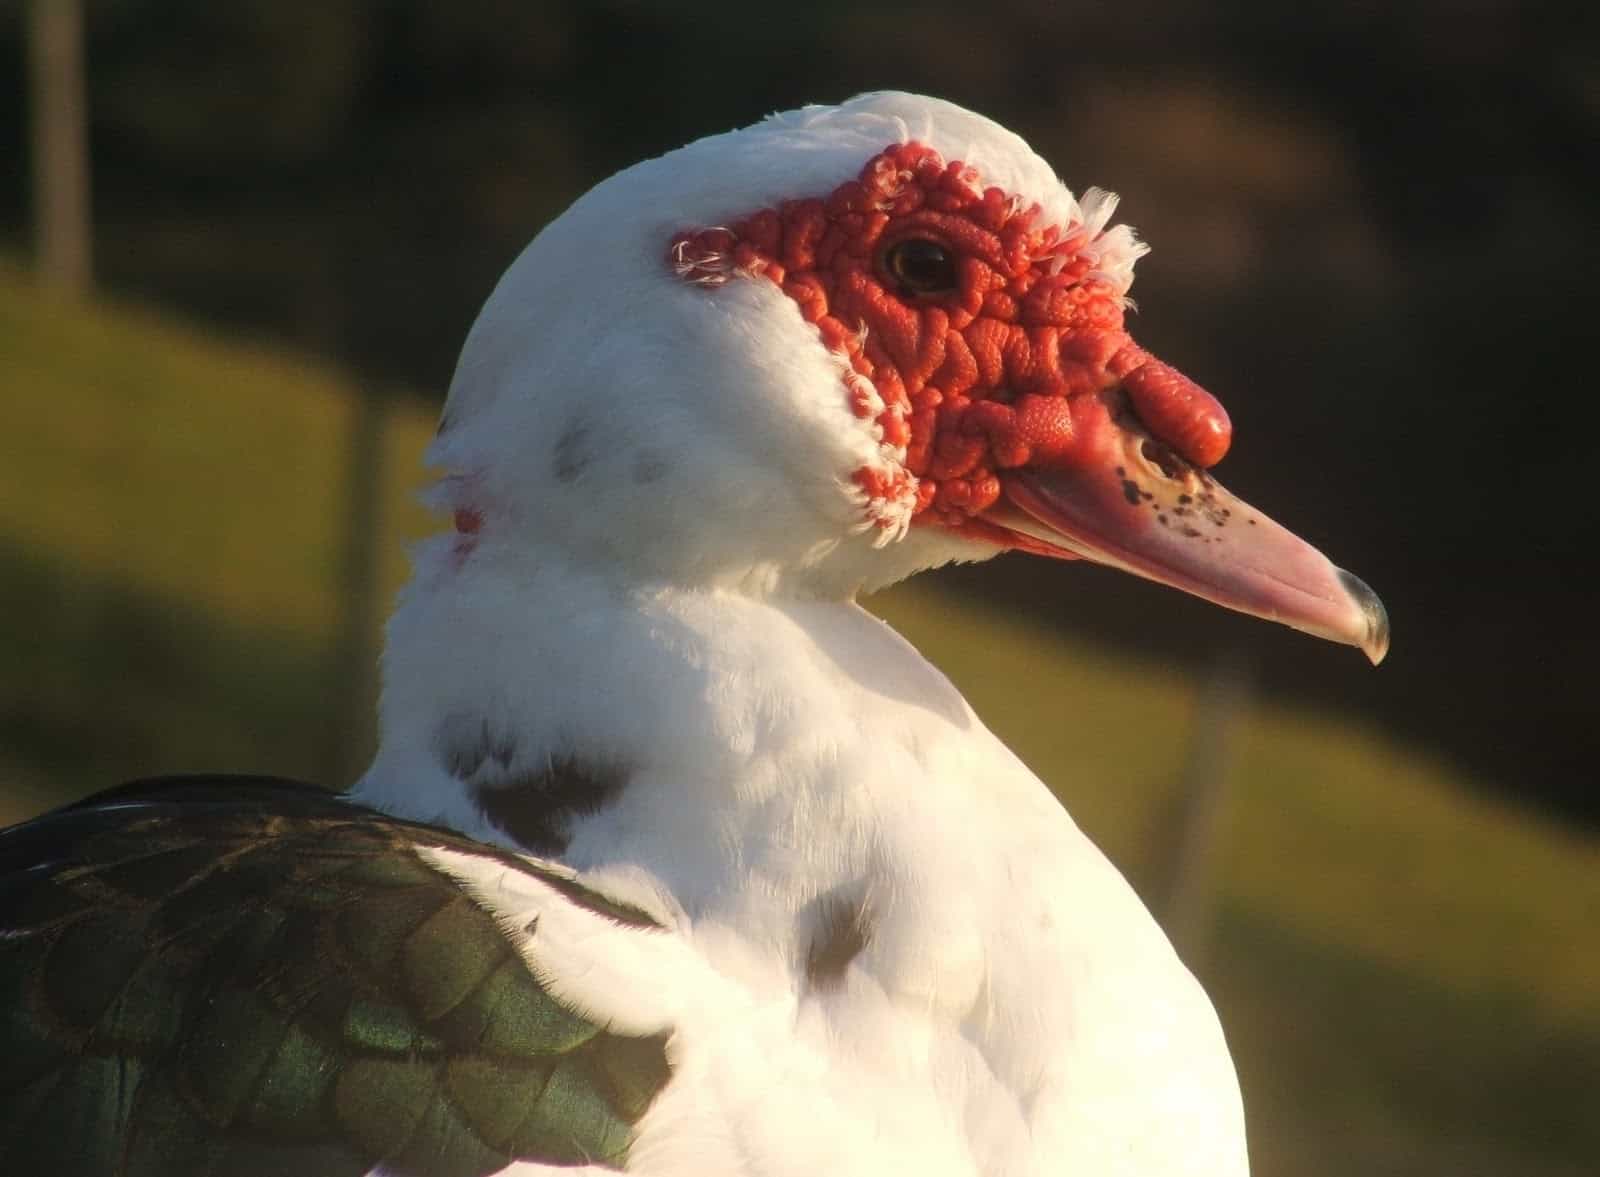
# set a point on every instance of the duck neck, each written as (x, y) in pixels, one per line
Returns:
(549, 709)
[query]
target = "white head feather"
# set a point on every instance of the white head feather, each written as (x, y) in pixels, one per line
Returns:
(637, 423)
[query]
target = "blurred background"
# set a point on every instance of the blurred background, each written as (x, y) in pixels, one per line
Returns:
(240, 245)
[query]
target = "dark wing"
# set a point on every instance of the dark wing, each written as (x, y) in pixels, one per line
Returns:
(248, 976)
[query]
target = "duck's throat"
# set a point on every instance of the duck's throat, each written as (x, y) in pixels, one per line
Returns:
(553, 713)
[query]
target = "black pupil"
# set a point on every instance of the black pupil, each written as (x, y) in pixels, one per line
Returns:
(922, 266)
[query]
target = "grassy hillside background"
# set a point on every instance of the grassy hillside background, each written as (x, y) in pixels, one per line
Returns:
(1410, 974)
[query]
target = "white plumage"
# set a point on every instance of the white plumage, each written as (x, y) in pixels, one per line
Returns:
(658, 577)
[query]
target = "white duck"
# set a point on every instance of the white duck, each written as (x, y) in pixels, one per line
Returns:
(673, 481)
(722, 394)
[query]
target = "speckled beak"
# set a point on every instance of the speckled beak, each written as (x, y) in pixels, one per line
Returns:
(1142, 508)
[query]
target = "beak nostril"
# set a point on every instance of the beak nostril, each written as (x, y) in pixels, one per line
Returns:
(1163, 459)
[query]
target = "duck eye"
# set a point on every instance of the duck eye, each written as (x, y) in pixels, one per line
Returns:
(920, 266)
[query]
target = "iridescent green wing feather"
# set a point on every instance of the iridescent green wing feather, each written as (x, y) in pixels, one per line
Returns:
(263, 980)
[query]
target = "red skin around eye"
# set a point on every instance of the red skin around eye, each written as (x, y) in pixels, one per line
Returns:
(1002, 372)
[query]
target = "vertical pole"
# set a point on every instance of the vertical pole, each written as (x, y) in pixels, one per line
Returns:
(1189, 901)
(350, 681)
(61, 200)
(355, 673)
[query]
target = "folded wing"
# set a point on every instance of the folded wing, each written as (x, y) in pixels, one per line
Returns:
(246, 975)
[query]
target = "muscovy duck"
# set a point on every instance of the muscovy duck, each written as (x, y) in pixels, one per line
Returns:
(672, 858)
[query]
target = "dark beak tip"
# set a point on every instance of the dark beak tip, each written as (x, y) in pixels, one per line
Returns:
(1376, 644)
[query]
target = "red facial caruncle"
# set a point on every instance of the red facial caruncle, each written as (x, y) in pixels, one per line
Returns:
(979, 337)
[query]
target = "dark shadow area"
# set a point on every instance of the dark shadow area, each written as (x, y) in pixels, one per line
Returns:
(109, 683)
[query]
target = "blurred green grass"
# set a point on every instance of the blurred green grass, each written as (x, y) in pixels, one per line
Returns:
(1410, 973)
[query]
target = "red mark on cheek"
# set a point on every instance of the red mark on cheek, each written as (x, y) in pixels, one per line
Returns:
(468, 522)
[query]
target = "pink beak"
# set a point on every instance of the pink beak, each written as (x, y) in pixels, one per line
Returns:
(1134, 504)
